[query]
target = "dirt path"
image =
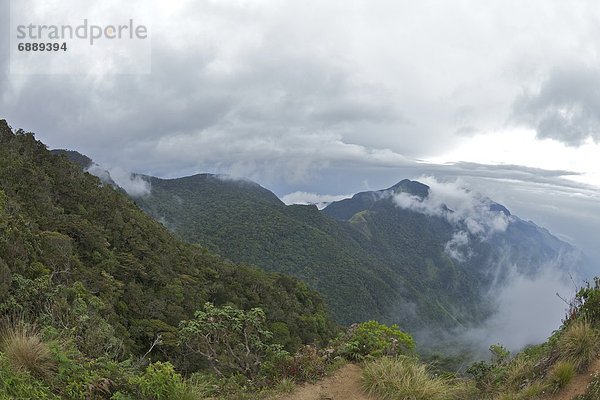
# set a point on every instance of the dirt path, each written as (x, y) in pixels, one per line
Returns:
(578, 385)
(343, 385)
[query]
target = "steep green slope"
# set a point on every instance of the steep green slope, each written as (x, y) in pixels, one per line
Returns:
(414, 244)
(360, 276)
(247, 223)
(79, 255)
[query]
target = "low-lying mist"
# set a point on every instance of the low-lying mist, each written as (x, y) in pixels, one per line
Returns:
(528, 310)
(524, 298)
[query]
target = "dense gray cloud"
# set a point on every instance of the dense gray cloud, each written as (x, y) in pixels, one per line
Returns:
(565, 108)
(361, 80)
(334, 96)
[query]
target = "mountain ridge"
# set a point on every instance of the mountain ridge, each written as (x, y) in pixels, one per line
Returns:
(368, 257)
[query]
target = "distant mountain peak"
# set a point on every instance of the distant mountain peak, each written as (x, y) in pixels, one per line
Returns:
(413, 187)
(495, 207)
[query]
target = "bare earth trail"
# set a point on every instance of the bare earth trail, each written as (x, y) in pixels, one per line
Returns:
(578, 385)
(344, 384)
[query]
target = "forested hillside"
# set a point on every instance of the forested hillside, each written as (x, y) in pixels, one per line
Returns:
(78, 254)
(247, 223)
(98, 300)
(367, 256)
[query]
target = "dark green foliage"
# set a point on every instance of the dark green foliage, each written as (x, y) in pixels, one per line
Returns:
(489, 376)
(371, 340)
(17, 385)
(229, 339)
(78, 256)
(247, 223)
(160, 382)
(389, 263)
(586, 304)
(76, 157)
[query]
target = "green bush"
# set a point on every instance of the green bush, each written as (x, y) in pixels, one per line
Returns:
(308, 364)
(229, 339)
(161, 382)
(587, 303)
(372, 339)
(15, 385)
(489, 376)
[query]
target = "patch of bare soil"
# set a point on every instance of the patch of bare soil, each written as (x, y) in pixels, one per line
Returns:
(578, 385)
(345, 384)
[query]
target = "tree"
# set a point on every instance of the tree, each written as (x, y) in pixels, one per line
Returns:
(372, 339)
(229, 339)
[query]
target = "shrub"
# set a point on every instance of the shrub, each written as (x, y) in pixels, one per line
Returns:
(308, 364)
(284, 386)
(25, 349)
(519, 373)
(587, 303)
(533, 391)
(229, 339)
(20, 385)
(578, 344)
(372, 339)
(560, 375)
(489, 376)
(235, 386)
(403, 378)
(500, 354)
(161, 382)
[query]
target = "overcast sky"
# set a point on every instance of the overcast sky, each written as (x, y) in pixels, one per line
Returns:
(334, 97)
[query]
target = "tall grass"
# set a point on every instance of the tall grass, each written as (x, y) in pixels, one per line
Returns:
(579, 344)
(519, 373)
(561, 374)
(24, 348)
(533, 391)
(404, 378)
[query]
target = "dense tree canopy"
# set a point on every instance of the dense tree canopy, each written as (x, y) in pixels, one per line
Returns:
(81, 255)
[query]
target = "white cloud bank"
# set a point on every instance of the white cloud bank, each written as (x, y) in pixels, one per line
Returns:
(469, 211)
(320, 200)
(528, 310)
(134, 185)
(527, 306)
